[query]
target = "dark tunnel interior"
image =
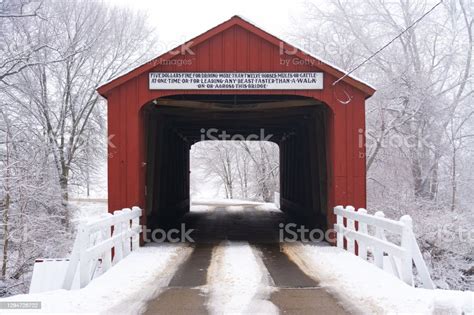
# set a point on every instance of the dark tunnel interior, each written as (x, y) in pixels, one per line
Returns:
(296, 124)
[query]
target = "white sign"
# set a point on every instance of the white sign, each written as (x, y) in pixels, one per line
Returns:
(236, 81)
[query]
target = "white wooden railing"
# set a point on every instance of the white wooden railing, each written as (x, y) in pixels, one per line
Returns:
(95, 240)
(367, 232)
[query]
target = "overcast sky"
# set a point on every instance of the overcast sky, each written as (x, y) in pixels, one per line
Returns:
(178, 21)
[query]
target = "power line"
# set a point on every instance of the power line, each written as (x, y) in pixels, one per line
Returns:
(390, 42)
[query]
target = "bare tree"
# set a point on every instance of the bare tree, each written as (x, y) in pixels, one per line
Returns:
(15, 17)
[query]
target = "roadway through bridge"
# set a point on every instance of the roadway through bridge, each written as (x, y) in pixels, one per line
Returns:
(288, 290)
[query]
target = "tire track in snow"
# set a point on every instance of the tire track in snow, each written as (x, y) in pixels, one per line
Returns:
(238, 282)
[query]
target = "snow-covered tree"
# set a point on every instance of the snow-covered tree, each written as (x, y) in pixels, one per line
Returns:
(420, 121)
(52, 121)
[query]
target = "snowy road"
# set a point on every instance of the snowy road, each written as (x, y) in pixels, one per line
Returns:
(238, 267)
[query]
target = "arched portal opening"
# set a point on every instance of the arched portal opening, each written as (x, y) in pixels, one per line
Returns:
(298, 125)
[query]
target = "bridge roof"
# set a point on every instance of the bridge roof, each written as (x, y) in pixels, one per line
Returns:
(236, 20)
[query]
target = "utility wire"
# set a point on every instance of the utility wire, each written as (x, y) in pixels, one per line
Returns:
(390, 42)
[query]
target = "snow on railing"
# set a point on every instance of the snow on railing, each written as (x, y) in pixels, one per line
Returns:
(96, 239)
(353, 226)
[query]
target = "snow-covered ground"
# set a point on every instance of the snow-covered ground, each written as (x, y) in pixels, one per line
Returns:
(230, 204)
(87, 208)
(357, 282)
(223, 202)
(124, 289)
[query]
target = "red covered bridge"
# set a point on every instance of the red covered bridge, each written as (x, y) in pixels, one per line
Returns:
(238, 78)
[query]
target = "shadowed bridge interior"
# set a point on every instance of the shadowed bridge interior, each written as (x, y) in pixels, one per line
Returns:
(296, 124)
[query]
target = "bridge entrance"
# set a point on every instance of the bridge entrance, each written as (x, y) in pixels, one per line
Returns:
(296, 124)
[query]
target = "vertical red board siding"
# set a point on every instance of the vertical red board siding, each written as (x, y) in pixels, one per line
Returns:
(135, 143)
(242, 49)
(204, 53)
(216, 53)
(360, 172)
(117, 159)
(350, 158)
(254, 53)
(229, 47)
(113, 146)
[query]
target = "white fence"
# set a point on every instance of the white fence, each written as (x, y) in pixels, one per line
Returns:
(94, 243)
(368, 232)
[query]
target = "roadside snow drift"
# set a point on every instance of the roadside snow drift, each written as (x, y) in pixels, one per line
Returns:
(124, 289)
(361, 285)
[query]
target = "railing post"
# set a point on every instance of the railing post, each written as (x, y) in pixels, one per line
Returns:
(107, 257)
(351, 227)
(362, 229)
(421, 266)
(84, 259)
(74, 260)
(379, 233)
(407, 245)
(136, 236)
(340, 224)
(118, 248)
(126, 237)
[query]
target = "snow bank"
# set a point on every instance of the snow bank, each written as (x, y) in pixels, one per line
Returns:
(238, 282)
(361, 285)
(201, 208)
(124, 289)
(89, 208)
(231, 205)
